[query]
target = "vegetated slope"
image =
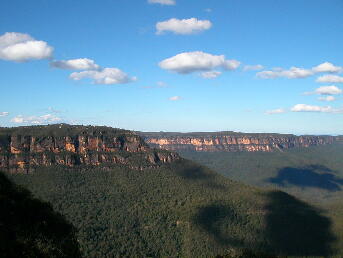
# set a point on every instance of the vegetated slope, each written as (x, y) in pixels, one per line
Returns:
(31, 228)
(314, 173)
(179, 210)
(127, 199)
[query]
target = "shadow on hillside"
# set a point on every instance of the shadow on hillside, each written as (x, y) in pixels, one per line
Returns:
(199, 174)
(211, 218)
(215, 219)
(31, 228)
(293, 228)
(310, 176)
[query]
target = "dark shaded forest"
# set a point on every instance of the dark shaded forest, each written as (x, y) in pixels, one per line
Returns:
(180, 210)
(315, 176)
(31, 228)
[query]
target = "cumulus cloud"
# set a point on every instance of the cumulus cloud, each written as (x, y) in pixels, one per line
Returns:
(328, 90)
(104, 76)
(231, 64)
(210, 74)
(327, 67)
(325, 90)
(253, 67)
(276, 111)
(184, 26)
(18, 119)
(327, 98)
(293, 72)
(20, 47)
(175, 98)
(189, 62)
(330, 78)
(75, 64)
(44, 119)
(162, 2)
(310, 108)
(4, 114)
(296, 72)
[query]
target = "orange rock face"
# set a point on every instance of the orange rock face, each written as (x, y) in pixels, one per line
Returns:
(235, 142)
(15, 151)
(21, 153)
(70, 147)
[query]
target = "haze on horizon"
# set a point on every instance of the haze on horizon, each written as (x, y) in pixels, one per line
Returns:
(174, 65)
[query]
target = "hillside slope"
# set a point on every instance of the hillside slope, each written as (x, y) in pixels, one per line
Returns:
(170, 208)
(314, 173)
(179, 210)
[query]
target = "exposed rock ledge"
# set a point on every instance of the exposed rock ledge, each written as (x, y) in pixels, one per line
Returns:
(231, 141)
(22, 149)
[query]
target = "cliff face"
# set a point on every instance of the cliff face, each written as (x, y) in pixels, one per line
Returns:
(230, 141)
(23, 149)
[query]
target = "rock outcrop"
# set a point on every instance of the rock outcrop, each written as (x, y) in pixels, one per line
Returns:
(22, 149)
(233, 142)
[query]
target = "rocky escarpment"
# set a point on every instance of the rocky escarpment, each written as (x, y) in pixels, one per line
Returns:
(22, 149)
(233, 142)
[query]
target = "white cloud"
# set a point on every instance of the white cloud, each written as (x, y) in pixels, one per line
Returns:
(175, 98)
(189, 62)
(4, 114)
(17, 119)
(208, 10)
(210, 74)
(327, 67)
(76, 64)
(231, 64)
(310, 108)
(325, 90)
(296, 72)
(328, 90)
(253, 67)
(327, 98)
(276, 111)
(184, 26)
(44, 119)
(162, 2)
(12, 38)
(293, 72)
(330, 78)
(22, 47)
(104, 76)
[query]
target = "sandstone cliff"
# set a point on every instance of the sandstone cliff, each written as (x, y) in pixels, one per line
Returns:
(22, 149)
(231, 141)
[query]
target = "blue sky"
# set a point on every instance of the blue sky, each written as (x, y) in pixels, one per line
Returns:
(174, 65)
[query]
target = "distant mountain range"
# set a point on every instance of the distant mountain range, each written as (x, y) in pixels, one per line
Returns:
(22, 149)
(232, 141)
